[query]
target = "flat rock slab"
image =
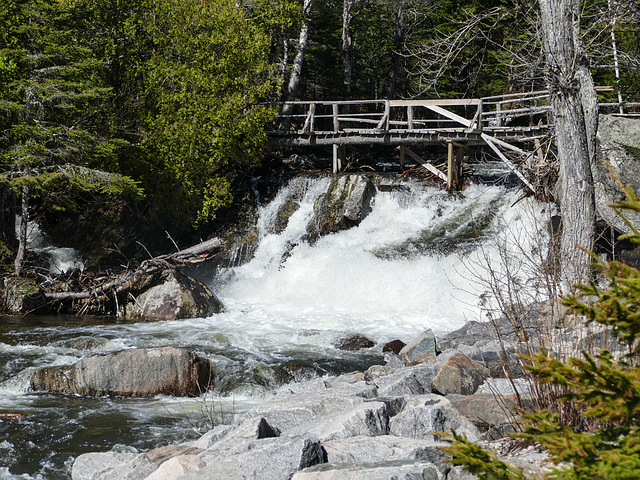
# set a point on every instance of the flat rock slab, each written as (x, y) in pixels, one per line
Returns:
(138, 372)
(112, 466)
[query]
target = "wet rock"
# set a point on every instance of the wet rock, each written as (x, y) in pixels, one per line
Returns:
(416, 350)
(12, 415)
(394, 346)
(352, 343)
(491, 414)
(288, 208)
(345, 205)
(400, 470)
(140, 372)
(425, 415)
(171, 296)
(112, 466)
(459, 374)
(21, 296)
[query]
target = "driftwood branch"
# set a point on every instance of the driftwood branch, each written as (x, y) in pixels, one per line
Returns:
(130, 278)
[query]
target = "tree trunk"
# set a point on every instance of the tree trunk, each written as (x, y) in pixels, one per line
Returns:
(347, 47)
(298, 61)
(398, 41)
(575, 108)
(22, 247)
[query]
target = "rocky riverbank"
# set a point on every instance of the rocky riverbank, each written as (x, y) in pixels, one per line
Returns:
(379, 424)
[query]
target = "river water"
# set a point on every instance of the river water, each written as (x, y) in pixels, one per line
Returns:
(418, 261)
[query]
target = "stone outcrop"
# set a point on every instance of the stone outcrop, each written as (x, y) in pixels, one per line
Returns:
(21, 296)
(140, 372)
(618, 144)
(346, 203)
(170, 295)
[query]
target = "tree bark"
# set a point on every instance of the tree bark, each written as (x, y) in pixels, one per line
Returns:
(347, 47)
(398, 41)
(298, 62)
(575, 109)
(22, 247)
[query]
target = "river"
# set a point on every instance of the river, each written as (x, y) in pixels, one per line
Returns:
(417, 261)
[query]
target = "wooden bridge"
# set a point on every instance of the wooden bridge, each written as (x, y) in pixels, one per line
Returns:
(506, 122)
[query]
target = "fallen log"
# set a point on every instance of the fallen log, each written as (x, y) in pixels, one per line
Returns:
(129, 279)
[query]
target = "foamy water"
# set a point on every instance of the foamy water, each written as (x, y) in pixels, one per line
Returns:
(415, 262)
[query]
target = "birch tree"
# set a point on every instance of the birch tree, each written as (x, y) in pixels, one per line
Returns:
(347, 46)
(575, 110)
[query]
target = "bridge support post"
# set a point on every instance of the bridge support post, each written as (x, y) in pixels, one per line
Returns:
(402, 158)
(454, 166)
(339, 155)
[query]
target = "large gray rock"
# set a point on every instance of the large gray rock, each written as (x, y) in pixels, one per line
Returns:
(386, 448)
(20, 296)
(459, 374)
(139, 372)
(420, 349)
(171, 296)
(619, 144)
(491, 414)
(368, 418)
(408, 381)
(112, 466)
(266, 459)
(425, 415)
(399, 470)
(345, 205)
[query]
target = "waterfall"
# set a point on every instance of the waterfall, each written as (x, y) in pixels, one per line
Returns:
(419, 260)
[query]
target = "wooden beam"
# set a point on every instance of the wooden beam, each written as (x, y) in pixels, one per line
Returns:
(450, 115)
(450, 166)
(491, 142)
(425, 103)
(425, 164)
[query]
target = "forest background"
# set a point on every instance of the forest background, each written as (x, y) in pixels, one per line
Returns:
(171, 97)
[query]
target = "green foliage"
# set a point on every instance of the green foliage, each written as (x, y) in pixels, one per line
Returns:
(479, 461)
(203, 87)
(604, 440)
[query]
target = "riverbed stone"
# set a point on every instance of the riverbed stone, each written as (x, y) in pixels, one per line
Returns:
(267, 459)
(368, 418)
(346, 203)
(420, 349)
(139, 372)
(408, 381)
(386, 448)
(21, 296)
(112, 466)
(425, 415)
(354, 342)
(459, 374)
(398, 470)
(171, 296)
(492, 414)
(394, 346)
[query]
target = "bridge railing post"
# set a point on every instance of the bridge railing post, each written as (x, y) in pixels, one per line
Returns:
(409, 117)
(479, 115)
(336, 119)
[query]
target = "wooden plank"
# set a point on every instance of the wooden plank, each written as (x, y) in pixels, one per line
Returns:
(435, 102)
(450, 115)
(450, 166)
(490, 141)
(425, 164)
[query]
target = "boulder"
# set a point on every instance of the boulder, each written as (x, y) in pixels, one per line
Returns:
(266, 459)
(346, 203)
(426, 415)
(354, 342)
(618, 143)
(171, 296)
(112, 466)
(368, 418)
(420, 349)
(20, 296)
(140, 372)
(408, 381)
(177, 466)
(386, 448)
(490, 413)
(459, 374)
(394, 346)
(400, 470)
